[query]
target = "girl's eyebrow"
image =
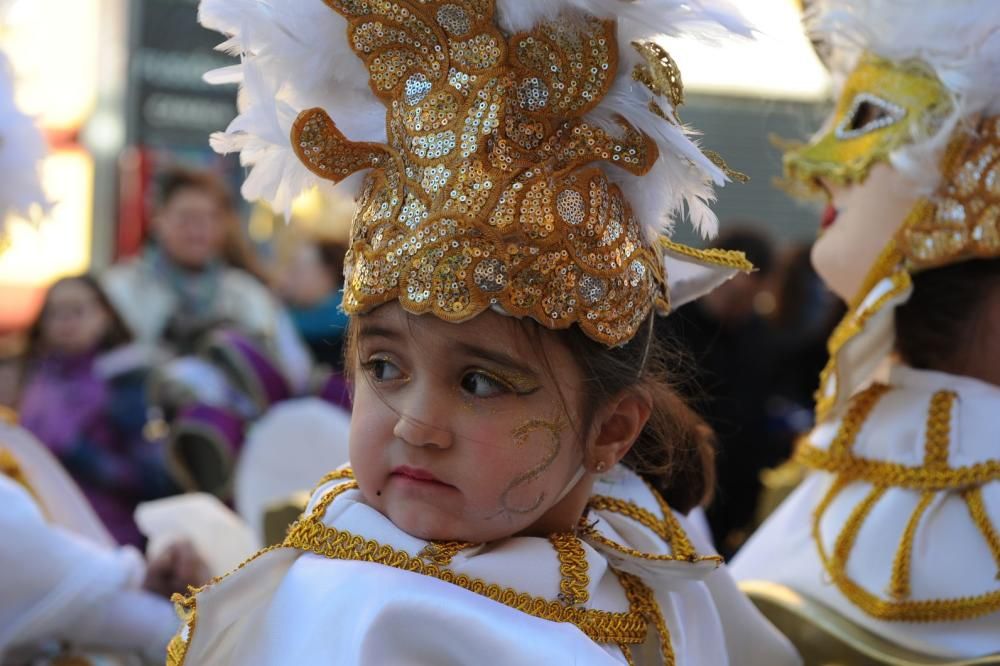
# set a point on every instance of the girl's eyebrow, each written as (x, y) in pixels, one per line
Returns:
(497, 357)
(376, 331)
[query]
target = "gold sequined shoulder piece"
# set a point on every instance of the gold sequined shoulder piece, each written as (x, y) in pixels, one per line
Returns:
(933, 477)
(487, 192)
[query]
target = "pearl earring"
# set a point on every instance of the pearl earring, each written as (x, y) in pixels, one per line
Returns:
(600, 466)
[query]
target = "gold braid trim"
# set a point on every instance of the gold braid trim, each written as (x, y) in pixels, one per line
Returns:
(853, 324)
(974, 500)
(857, 413)
(715, 256)
(934, 476)
(633, 511)
(627, 653)
(668, 529)
(899, 584)
(643, 600)
(897, 475)
(573, 568)
(443, 552)
(938, 430)
(309, 534)
(592, 535)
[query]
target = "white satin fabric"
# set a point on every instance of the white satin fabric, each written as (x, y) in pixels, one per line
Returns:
(950, 556)
(290, 607)
(61, 576)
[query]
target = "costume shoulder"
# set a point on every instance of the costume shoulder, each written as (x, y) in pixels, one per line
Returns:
(896, 522)
(346, 568)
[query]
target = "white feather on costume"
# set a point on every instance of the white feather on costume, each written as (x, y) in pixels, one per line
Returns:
(295, 55)
(22, 148)
(958, 39)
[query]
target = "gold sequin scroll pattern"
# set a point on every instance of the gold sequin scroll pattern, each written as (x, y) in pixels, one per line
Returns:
(487, 193)
(962, 220)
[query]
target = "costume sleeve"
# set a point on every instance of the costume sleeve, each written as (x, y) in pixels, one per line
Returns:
(750, 639)
(56, 585)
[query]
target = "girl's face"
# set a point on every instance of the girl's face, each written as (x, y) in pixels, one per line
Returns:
(460, 431)
(74, 320)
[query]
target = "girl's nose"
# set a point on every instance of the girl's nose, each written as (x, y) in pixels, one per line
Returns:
(424, 422)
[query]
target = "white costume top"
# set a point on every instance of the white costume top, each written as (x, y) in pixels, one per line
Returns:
(896, 527)
(147, 303)
(348, 587)
(61, 576)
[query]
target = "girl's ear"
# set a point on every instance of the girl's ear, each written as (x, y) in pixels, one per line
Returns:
(617, 428)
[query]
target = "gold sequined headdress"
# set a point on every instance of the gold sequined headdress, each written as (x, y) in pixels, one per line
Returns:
(919, 88)
(528, 160)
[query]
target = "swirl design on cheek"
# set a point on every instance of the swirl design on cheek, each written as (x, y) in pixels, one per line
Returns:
(554, 446)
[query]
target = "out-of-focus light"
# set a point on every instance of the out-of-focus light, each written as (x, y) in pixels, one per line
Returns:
(308, 205)
(52, 45)
(60, 244)
(105, 133)
(779, 63)
(260, 227)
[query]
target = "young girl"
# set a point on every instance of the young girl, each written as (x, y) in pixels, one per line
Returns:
(515, 449)
(84, 397)
(895, 527)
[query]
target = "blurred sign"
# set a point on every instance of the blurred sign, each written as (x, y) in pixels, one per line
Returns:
(170, 105)
(171, 110)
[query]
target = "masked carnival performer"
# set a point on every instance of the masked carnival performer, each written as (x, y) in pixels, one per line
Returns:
(511, 416)
(895, 527)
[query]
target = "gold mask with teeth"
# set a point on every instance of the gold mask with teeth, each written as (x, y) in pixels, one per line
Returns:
(487, 193)
(883, 106)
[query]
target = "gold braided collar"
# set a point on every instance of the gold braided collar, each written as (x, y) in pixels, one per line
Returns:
(623, 629)
(935, 476)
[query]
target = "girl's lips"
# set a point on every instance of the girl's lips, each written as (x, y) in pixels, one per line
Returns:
(829, 217)
(418, 475)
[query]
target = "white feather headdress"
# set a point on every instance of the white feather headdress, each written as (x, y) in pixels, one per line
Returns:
(22, 148)
(290, 63)
(958, 39)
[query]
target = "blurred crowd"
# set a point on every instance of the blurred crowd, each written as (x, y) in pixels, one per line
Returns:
(129, 375)
(143, 379)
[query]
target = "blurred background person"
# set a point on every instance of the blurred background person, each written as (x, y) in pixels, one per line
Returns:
(733, 354)
(310, 282)
(84, 397)
(194, 274)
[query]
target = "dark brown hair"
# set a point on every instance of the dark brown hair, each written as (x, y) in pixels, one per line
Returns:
(237, 251)
(936, 328)
(675, 452)
(118, 333)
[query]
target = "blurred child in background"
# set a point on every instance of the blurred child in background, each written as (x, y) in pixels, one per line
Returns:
(84, 397)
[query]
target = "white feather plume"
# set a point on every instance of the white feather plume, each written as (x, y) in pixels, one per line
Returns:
(958, 39)
(296, 55)
(22, 148)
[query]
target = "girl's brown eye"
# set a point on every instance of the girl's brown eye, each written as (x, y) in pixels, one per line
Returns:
(382, 370)
(482, 385)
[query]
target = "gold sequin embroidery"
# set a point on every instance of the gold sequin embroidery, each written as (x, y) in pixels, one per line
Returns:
(486, 194)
